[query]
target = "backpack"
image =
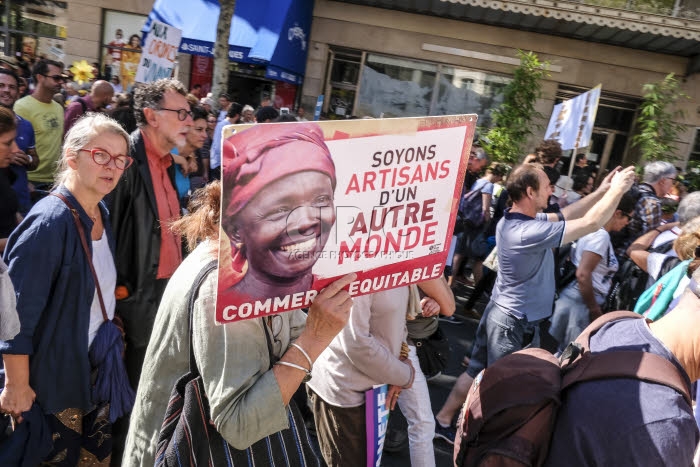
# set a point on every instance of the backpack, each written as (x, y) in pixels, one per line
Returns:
(510, 412)
(629, 283)
(654, 302)
(471, 208)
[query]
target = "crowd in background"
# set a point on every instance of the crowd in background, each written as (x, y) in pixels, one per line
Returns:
(104, 284)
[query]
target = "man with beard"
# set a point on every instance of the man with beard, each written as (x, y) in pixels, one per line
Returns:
(99, 98)
(46, 116)
(26, 158)
(142, 206)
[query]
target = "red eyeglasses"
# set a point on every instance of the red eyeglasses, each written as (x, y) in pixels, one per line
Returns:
(102, 157)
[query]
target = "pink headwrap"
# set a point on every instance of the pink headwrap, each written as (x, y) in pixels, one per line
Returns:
(264, 153)
(260, 155)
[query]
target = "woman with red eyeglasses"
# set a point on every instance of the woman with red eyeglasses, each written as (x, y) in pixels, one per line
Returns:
(61, 264)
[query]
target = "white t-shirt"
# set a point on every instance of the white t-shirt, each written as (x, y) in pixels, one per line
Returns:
(656, 260)
(599, 243)
(103, 263)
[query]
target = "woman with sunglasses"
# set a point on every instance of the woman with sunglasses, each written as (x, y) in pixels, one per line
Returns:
(579, 303)
(52, 265)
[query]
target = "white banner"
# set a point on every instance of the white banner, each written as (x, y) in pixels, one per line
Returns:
(159, 53)
(572, 121)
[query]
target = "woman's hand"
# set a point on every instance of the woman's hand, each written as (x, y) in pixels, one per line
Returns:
(429, 307)
(15, 399)
(392, 396)
(330, 311)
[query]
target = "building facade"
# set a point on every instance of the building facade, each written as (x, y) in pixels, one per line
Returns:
(437, 57)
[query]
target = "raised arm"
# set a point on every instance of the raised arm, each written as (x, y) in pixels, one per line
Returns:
(601, 211)
(582, 206)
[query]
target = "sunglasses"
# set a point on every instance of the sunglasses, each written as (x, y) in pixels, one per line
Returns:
(181, 113)
(59, 78)
(628, 216)
(102, 157)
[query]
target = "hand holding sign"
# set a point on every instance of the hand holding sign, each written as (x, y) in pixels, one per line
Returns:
(330, 311)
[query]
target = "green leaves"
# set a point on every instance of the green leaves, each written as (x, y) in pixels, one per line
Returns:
(657, 127)
(513, 120)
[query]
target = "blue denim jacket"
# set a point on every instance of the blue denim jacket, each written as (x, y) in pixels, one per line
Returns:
(55, 289)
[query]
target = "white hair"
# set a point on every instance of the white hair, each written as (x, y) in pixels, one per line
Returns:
(85, 129)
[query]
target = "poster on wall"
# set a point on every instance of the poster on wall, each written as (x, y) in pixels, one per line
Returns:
(304, 203)
(121, 41)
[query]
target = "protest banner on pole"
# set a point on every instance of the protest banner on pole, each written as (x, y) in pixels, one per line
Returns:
(159, 53)
(305, 203)
(572, 121)
(377, 422)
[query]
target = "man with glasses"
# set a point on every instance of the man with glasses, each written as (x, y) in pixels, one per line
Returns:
(46, 116)
(657, 182)
(142, 206)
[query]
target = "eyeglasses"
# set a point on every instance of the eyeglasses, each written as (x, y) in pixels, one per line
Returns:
(102, 157)
(59, 78)
(181, 113)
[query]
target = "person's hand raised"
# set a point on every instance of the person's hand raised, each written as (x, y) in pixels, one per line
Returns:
(624, 179)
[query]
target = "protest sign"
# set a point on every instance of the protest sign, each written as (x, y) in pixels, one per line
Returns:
(376, 422)
(572, 121)
(305, 203)
(159, 53)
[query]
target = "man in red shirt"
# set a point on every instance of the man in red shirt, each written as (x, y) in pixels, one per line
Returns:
(142, 206)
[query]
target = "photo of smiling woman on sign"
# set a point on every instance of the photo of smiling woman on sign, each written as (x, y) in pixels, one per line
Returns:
(277, 211)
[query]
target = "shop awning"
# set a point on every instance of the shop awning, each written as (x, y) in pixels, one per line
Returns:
(270, 32)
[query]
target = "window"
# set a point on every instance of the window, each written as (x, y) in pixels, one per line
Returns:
(33, 28)
(695, 148)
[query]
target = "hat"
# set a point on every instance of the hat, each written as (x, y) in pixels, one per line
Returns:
(262, 154)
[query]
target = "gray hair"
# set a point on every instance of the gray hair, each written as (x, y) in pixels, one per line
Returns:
(85, 129)
(150, 96)
(655, 171)
(247, 108)
(480, 154)
(689, 208)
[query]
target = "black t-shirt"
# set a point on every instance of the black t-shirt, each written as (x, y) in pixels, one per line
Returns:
(8, 204)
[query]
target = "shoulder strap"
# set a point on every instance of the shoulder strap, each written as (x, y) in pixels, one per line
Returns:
(83, 241)
(191, 298)
(640, 365)
(271, 354)
(621, 364)
(584, 338)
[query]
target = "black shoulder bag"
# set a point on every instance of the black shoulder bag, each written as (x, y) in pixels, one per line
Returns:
(189, 436)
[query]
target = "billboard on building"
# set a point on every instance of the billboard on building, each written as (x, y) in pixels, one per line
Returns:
(121, 46)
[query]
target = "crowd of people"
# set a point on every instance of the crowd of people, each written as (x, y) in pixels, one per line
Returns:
(109, 233)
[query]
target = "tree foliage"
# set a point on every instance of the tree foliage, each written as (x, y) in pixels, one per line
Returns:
(515, 119)
(223, 31)
(657, 127)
